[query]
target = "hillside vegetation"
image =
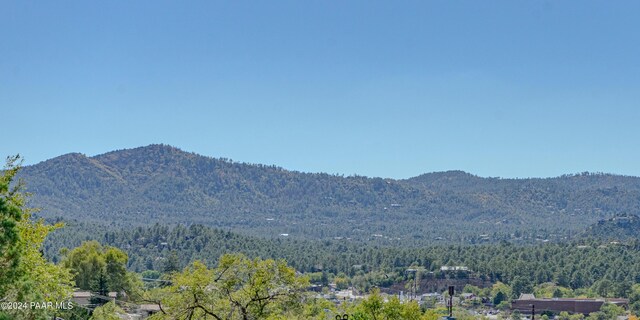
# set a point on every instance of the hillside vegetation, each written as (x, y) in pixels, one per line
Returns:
(609, 269)
(619, 228)
(159, 183)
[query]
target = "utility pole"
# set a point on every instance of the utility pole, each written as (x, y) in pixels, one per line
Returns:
(451, 292)
(533, 311)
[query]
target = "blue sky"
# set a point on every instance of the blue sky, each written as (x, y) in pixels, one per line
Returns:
(390, 89)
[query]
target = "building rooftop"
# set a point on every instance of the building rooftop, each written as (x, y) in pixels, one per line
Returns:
(526, 296)
(82, 294)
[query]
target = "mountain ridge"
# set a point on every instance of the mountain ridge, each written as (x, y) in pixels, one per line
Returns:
(452, 172)
(162, 183)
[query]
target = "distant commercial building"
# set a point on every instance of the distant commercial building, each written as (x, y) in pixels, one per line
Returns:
(526, 302)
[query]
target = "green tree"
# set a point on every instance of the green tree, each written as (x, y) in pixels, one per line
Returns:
(116, 269)
(634, 298)
(342, 282)
(25, 275)
(500, 292)
(577, 316)
(324, 279)
(516, 315)
(97, 268)
(597, 316)
(432, 314)
(472, 289)
(370, 308)
(314, 308)
(519, 285)
(411, 311)
(392, 309)
(108, 311)
(603, 287)
(151, 274)
(11, 214)
(611, 310)
(172, 264)
(374, 308)
(239, 288)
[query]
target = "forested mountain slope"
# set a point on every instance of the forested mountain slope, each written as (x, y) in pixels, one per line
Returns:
(159, 183)
(619, 228)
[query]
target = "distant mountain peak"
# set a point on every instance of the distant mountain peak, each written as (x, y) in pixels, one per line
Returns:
(160, 147)
(445, 177)
(72, 157)
(152, 148)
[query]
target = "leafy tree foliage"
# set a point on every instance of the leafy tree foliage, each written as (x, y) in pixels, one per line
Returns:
(11, 214)
(598, 316)
(238, 288)
(634, 298)
(98, 268)
(108, 311)
(612, 311)
(25, 275)
(374, 308)
(172, 263)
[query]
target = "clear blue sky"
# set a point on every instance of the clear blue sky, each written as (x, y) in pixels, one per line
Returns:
(391, 89)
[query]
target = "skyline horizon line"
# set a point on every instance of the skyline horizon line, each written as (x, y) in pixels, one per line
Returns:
(27, 163)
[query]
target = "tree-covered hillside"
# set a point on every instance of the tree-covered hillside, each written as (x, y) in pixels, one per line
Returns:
(585, 266)
(159, 183)
(616, 229)
(609, 269)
